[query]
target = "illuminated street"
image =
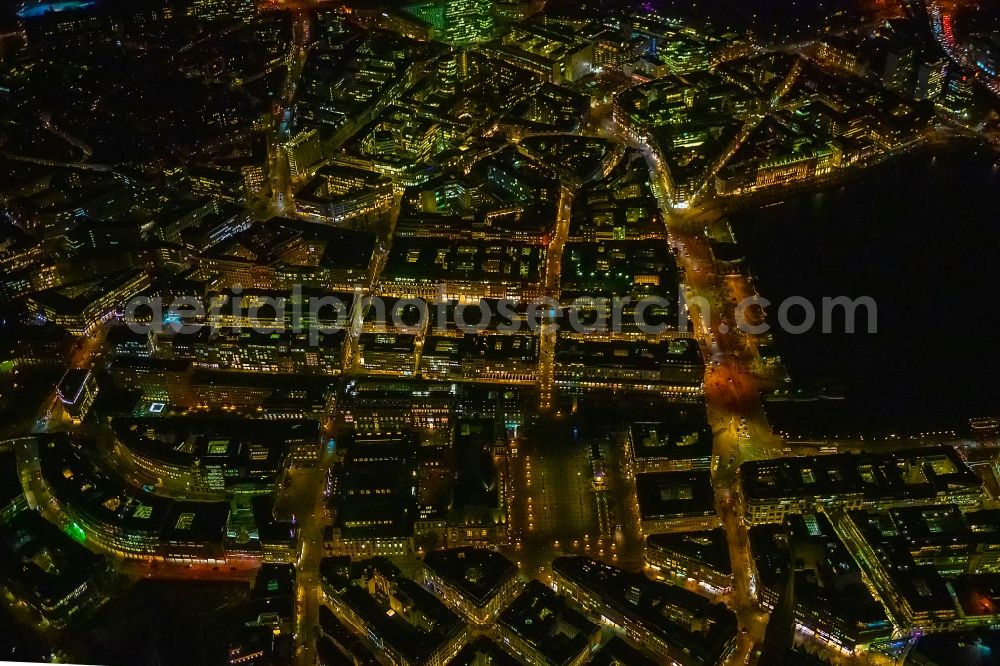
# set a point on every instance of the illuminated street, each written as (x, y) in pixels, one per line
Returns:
(478, 332)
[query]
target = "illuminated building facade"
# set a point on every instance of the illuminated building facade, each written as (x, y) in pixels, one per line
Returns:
(833, 605)
(931, 77)
(458, 22)
(670, 622)
(525, 628)
(774, 488)
(700, 556)
(81, 308)
(223, 9)
(77, 391)
(304, 152)
(477, 583)
(404, 621)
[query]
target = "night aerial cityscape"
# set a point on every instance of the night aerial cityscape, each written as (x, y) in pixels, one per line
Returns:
(497, 332)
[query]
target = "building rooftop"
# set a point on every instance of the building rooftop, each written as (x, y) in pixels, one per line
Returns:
(616, 652)
(620, 207)
(483, 650)
(256, 444)
(341, 640)
(420, 626)
(634, 268)
(708, 548)
(684, 620)
(978, 595)
(152, 365)
(826, 575)
(478, 573)
(985, 523)
(548, 624)
(293, 309)
(123, 337)
(667, 355)
(274, 580)
(671, 440)
(531, 223)
(921, 585)
(99, 499)
(294, 243)
(288, 341)
(911, 473)
(581, 155)
(399, 343)
(72, 384)
(666, 495)
(487, 315)
(76, 479)
(201, 522)
(376, 489)
(77, 298)
(395, 312)
(42, 564)
(285, 388)
(921, 525)
(269, 528)
(953, 648)
(489, 348)
(438, 260)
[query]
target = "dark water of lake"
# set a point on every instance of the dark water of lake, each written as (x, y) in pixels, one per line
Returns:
(922, 237)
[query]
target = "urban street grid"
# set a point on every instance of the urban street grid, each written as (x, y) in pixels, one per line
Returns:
(435, 332)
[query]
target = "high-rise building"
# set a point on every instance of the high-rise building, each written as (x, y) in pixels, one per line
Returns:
(304, 151)
(959, 95)
(931, 75)
(448, 73)
(457, 21)
(469, 21)
(430, 12)
(899, 69)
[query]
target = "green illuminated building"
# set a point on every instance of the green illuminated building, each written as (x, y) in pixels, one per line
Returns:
(457, 22)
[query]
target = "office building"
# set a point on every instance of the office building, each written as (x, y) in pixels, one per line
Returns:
(479, 584)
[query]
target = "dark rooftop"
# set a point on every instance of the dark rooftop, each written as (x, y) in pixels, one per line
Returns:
(483, 651)
(709, 548)
(957, 648)
(674, 440)
(675, 494)
(912, 473)
(42, 562)
(680, 354)
(72, 383)
(684, 620)
(477, 573)
(196, 521)
(826, 575)
(617, 652)
(923, 587)
(978, 594)
(75, 478)
(620, 268)
(435, 259)
(546, 622)
(416, 641)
